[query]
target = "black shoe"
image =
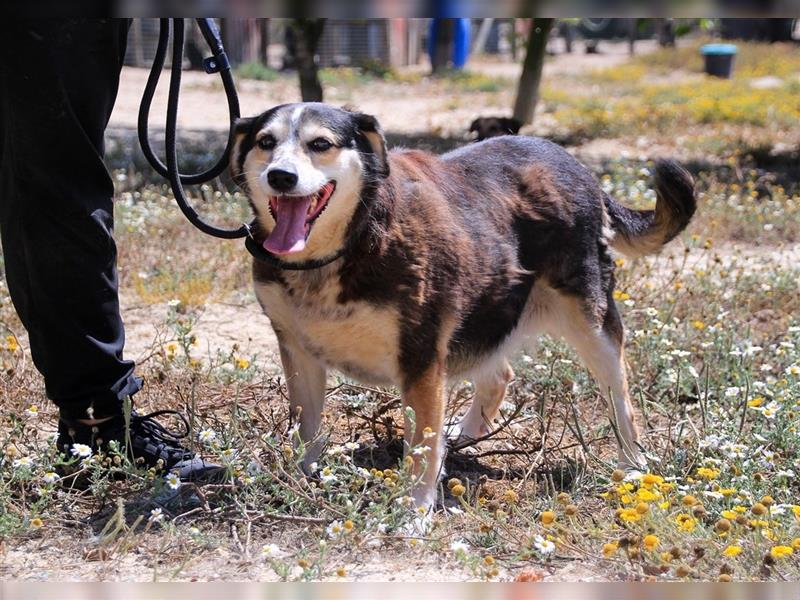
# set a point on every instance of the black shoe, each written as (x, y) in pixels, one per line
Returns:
(152, 444)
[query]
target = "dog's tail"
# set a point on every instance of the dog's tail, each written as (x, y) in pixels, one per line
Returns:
(640, 232)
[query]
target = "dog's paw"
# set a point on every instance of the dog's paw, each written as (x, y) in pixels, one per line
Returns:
(463, 433)
(419, 526)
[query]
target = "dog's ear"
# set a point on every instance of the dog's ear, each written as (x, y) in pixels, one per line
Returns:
(239, 130)
(476, 124)
(512, 125)
(368, 130)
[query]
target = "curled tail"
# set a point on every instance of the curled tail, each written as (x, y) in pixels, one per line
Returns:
(640, 232)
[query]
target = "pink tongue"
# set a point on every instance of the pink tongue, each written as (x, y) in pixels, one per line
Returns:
(289, 234)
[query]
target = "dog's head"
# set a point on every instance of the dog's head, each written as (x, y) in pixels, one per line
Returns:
(304, 167)
(487, 127)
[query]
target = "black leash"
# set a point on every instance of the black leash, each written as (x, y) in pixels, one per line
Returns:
(217, 63)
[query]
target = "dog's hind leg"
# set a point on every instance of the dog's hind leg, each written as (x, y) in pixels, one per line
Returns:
(425, 395)
(305, 379)
(598, 340)
(490, 389)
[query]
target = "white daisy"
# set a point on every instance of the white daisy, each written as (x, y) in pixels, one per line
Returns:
(50, 477)
(81, 450)
(156, 515)
(271, 551)
(26, 462)
(173, 481)
(335, 530)
(543, 545)
(207, 436)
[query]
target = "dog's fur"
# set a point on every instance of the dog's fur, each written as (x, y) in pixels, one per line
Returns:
(487, 127)
(450, 264)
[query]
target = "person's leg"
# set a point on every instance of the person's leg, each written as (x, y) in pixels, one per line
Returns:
(59, 83)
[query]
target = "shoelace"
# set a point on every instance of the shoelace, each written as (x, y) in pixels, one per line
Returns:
(147, 426)
(165, 440)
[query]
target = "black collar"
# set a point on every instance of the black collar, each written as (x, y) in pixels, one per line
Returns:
(259, 253)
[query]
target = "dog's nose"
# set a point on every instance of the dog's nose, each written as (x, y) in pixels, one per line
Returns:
(282, 180)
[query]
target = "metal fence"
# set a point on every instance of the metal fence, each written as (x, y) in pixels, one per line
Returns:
(344, 42)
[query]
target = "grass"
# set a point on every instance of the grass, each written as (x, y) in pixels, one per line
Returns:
(257, 71)
(713, 348)
(634, 98)
(713, 353)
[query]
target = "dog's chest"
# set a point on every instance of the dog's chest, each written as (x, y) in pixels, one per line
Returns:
(357, 338)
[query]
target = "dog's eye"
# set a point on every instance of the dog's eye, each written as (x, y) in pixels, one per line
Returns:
(320, 145)
(267, 143)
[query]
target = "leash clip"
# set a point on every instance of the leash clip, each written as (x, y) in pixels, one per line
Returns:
(215, 64)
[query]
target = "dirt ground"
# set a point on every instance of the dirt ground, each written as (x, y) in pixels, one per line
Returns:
(203, 101)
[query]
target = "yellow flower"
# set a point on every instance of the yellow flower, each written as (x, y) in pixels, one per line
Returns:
(781, 551)
(796, 510)
(511, 497)
(341, 572)
(548, 517)
(686, 522)
(648, 479)
(651, 542)
(36, 523)
(630, 515)
(620, 295)
(732, 551)
(242, 363)
(689, 500)
(707, 473)
(664, 505)
(727, 491)
(699, 325)
(796, 543)
(458, 490)
(11, 343)
(755, 402)
(609, 549)
(646, 495)
(729, 514)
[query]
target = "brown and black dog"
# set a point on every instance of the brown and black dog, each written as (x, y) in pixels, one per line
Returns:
(416, 268)
(487, 127)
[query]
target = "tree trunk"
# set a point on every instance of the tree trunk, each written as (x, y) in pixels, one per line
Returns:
(307, 34)
(443, 46)
(528, 88)
(263, 41)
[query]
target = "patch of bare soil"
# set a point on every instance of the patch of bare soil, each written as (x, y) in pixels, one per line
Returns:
(220, 327)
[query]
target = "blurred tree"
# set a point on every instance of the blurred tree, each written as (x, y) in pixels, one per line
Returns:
(263, 41)
(306, 39)
(528, 88)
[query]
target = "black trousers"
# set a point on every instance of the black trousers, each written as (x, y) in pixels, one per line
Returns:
(58, 84)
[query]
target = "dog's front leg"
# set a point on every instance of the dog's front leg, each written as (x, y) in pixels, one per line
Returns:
(425, 395)
(305, 378)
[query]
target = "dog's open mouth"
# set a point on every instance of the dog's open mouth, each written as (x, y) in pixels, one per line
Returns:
(294, 216)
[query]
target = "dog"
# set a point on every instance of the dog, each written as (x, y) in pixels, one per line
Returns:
(409, 269)
(487, 127)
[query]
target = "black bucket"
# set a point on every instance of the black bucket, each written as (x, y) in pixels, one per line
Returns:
(719, 59)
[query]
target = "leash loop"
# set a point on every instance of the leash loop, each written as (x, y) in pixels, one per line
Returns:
(217, 63)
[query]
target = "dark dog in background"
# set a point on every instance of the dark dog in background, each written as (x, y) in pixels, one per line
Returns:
(489, 127)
